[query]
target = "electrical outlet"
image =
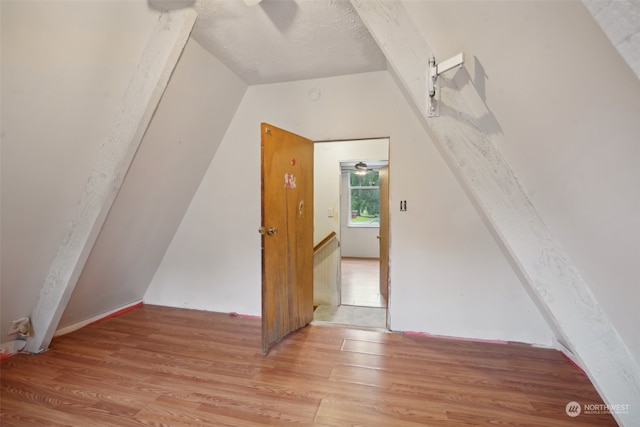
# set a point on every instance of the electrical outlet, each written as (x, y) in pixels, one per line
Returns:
(20, 326)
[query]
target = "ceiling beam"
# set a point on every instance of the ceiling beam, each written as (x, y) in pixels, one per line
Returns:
(117, 151)
(620, 20)
(471, 151)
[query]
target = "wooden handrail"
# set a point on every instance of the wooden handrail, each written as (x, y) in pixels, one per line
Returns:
(324, 241)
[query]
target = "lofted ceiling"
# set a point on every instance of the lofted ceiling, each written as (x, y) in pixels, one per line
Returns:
(269, 41)
(284, 40)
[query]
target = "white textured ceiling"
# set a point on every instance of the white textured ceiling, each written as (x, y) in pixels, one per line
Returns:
(286, 40)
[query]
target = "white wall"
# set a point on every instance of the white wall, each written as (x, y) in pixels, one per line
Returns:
(360, 242)
(355, 242)
(64, 69)
(186, 130)
(447, 274)
(566, 106)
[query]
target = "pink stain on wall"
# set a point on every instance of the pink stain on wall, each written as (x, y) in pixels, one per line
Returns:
(244, 316)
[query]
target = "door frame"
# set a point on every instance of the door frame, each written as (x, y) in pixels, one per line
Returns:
(334, 168)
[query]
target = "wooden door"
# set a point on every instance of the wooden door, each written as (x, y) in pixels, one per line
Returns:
(384, 232)
(287, 233)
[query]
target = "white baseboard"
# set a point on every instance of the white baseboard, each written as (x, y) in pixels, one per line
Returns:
(76, 326)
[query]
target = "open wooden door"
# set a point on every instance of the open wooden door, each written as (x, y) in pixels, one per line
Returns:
(287, 233)
(384, 232)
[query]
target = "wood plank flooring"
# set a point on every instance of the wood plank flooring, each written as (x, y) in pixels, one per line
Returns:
(361, 282)
(159, 366)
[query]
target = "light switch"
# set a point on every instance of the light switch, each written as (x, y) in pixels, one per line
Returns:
(330, 213)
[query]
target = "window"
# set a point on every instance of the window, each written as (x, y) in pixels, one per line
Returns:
(364, 198)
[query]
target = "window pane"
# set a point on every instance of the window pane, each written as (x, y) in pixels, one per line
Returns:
(365, 199)
(369, 179)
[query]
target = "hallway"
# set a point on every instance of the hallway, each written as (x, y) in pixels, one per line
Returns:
(362, 304)
(361, 282)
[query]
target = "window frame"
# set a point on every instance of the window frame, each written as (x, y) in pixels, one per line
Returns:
(350, 223)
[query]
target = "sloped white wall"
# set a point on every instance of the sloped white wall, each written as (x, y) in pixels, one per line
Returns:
(181, 140)
(64, 68)
(447, 274)
(567, 107)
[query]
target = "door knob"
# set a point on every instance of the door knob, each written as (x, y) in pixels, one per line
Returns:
(268, 231)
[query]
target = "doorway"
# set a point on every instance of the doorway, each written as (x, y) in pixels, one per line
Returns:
(347, 201)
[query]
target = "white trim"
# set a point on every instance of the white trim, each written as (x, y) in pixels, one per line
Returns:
(82, 324)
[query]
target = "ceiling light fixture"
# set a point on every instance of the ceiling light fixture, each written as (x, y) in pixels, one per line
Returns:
(361, 168)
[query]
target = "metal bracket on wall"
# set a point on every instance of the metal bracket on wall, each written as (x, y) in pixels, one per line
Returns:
(433, 89)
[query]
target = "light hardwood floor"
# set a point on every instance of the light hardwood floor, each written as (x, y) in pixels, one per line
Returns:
(160, 366)
(361, 282)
